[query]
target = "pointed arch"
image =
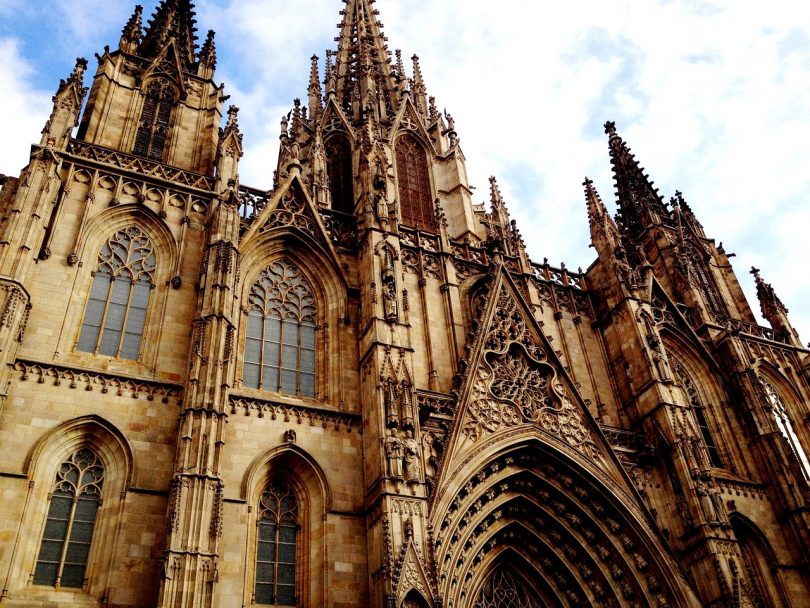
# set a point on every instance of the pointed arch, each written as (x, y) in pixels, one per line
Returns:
(578, 536)
(293, 470)
(413, 179)
(759, 562)
(338, 151)
(79, 471)
(160, 99)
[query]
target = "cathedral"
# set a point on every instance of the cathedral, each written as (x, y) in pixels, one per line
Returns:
(355, 389)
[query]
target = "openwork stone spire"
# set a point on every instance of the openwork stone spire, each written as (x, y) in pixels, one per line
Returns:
(640, 205)
(363, 61)
(173, 19)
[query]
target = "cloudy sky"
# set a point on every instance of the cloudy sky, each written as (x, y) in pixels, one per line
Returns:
(713, 97)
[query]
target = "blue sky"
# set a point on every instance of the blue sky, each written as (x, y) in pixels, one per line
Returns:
(712, 96)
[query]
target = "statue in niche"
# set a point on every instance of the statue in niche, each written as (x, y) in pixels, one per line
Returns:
(717, 502)
(394, 454)
(430, 456)
(406, 405)
(413, 466)
(706, 502)
(391, 403)
(389, 294)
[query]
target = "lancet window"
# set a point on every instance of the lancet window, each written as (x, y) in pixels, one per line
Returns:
(280, 336)
(74, 503)
(153, 127)
(276, 546)
(785, 425)
(415, 201)
(339, 169)
(116, 310)
(699, 410)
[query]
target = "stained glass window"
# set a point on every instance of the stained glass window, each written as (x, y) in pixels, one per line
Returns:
(280, 336)
(339, 169)
(415, 200)
(276, 546)
(116, 310)
(700, 413)
(71, 518)
(153, 128)
(780, 415)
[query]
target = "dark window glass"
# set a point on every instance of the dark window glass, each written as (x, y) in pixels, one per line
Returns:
(700, 413)
(276, 546)
(65, 545)
(116, 310)
(339, 169)
(280, 335)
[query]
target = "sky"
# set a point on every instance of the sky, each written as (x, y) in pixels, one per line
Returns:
(713, 97)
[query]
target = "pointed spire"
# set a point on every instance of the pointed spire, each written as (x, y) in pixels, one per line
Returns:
(207, 57)
(602, 225)
(172, 20)
(768, 300)
(363, 61)
(684, 215)
(229, 151)
(418, 88)
(132, 32)
(315, 92)
(67, 103)
(640, 205)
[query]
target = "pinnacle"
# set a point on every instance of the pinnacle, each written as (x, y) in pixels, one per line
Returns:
(133, 30)
(172, 19)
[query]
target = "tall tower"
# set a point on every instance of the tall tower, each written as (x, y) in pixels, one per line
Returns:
(356, 388)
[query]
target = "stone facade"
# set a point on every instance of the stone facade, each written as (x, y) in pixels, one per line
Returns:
(356, 389)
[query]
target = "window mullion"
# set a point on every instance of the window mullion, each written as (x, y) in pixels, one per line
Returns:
(103, 321)
(125, 320)
(276, 558)
(298, 362)
(68, 531)
(280, 362)
(261, 350)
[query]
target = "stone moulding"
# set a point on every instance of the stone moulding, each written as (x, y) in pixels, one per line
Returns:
(91, 380)
(297, 413)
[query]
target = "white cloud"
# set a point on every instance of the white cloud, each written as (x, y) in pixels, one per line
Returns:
(24, 108)
(713, 97)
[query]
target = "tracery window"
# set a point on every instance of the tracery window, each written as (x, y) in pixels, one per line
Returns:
(785, 425)
(153, 127)
(116, 310)
(280, 337)
(504, 589)
(700, 413)
(339, 169)
(276, 546)
(415, 200)
(74, 503)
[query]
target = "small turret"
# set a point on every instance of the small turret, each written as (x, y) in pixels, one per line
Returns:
(208, 57)
(605, 235)
(640, 205)
(230, 150)
(773, 309)
(684, 216)
(315, 92)
(132, 32)
(67, 103)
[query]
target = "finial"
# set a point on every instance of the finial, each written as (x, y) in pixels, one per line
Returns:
(610, 128)
(400, 65)
(755, 271)
(233, 112)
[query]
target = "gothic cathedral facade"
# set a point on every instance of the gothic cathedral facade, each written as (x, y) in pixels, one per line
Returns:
(356, 389)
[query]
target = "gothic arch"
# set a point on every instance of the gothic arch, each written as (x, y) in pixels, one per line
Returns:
(511, 581)
(165, 248)
(759, 562)
(115, 454)
(331, 302)
(573, 528)
(414, 182)
(299, 469)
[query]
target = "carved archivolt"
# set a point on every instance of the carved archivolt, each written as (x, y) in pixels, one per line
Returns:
(515, 384)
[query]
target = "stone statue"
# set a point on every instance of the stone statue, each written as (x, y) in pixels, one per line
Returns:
(393, 454)
(390, 301)
(717, 502)
(413, 466)
(706, 502)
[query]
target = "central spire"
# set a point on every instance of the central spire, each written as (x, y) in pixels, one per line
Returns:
(363, 71)
(172, 19)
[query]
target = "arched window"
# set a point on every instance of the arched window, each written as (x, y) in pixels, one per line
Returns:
(116, 311)
(74, 503)
(153, 127)
(780, 415)
(280, 337)
(415, 201)
(700, 412)
(339, 168)
(276, 546)
(506, 589)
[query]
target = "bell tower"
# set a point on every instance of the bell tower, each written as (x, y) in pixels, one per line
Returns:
(154, 96)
